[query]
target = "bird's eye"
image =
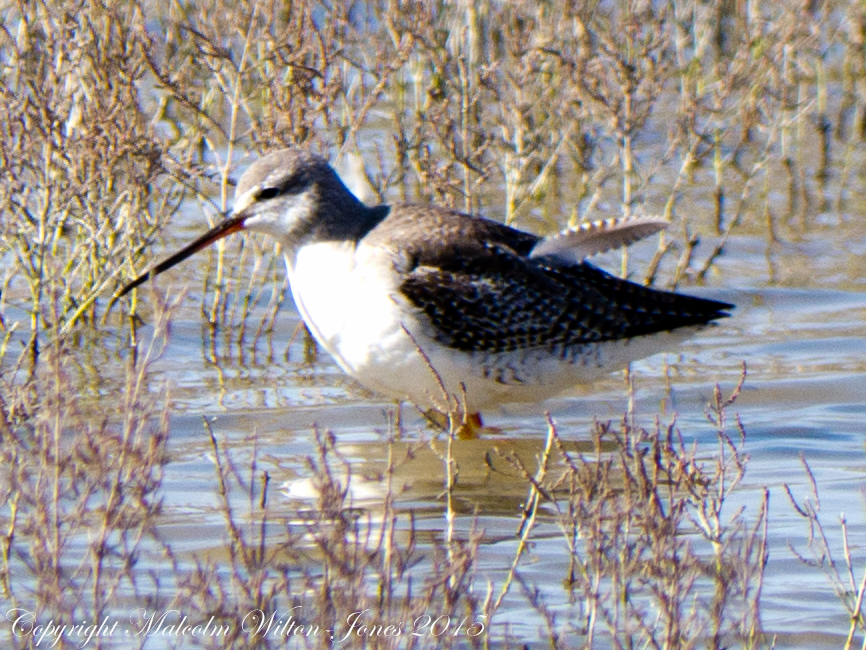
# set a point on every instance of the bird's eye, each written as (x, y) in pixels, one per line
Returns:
(268, 193)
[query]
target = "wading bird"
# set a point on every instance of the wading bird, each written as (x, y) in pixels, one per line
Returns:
(446, 309)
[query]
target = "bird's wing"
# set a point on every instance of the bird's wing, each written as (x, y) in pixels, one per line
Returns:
(477, 286)
(499, 301)
(591, 238)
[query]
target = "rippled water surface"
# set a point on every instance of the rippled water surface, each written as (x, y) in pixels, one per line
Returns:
(804, 399)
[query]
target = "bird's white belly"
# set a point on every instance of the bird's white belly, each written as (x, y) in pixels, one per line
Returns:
(349, 298)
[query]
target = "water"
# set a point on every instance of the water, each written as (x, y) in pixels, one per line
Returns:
(805, 350)
(799, 326)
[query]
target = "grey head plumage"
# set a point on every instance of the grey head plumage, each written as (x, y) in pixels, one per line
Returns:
(297, 197)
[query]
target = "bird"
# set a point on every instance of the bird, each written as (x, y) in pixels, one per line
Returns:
(451, 311)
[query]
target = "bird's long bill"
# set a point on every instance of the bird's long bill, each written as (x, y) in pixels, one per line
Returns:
(227, 227)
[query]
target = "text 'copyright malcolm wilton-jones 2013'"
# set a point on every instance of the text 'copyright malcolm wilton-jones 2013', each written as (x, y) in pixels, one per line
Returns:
(257, 623)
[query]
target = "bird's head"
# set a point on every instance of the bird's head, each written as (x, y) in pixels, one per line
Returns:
(292, 195)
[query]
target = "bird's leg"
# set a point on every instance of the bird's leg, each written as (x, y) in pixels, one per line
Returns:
(398, 419)
(471, 427)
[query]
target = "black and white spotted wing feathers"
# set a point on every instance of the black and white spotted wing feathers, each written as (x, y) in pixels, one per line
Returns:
(480, 291)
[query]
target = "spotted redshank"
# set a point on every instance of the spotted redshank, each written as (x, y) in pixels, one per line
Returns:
(441, 308)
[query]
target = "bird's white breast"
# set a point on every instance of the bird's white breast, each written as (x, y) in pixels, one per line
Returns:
(348, 297)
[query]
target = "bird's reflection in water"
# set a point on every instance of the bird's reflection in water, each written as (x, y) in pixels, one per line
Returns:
(491, 476)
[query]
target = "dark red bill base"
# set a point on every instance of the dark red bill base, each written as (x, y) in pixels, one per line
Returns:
(227, 227)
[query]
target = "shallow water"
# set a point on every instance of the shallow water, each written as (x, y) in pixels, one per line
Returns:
(799, 326)
(804, 398)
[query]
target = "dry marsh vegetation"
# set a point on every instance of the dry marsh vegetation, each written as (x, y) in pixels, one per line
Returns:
(119, 119)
